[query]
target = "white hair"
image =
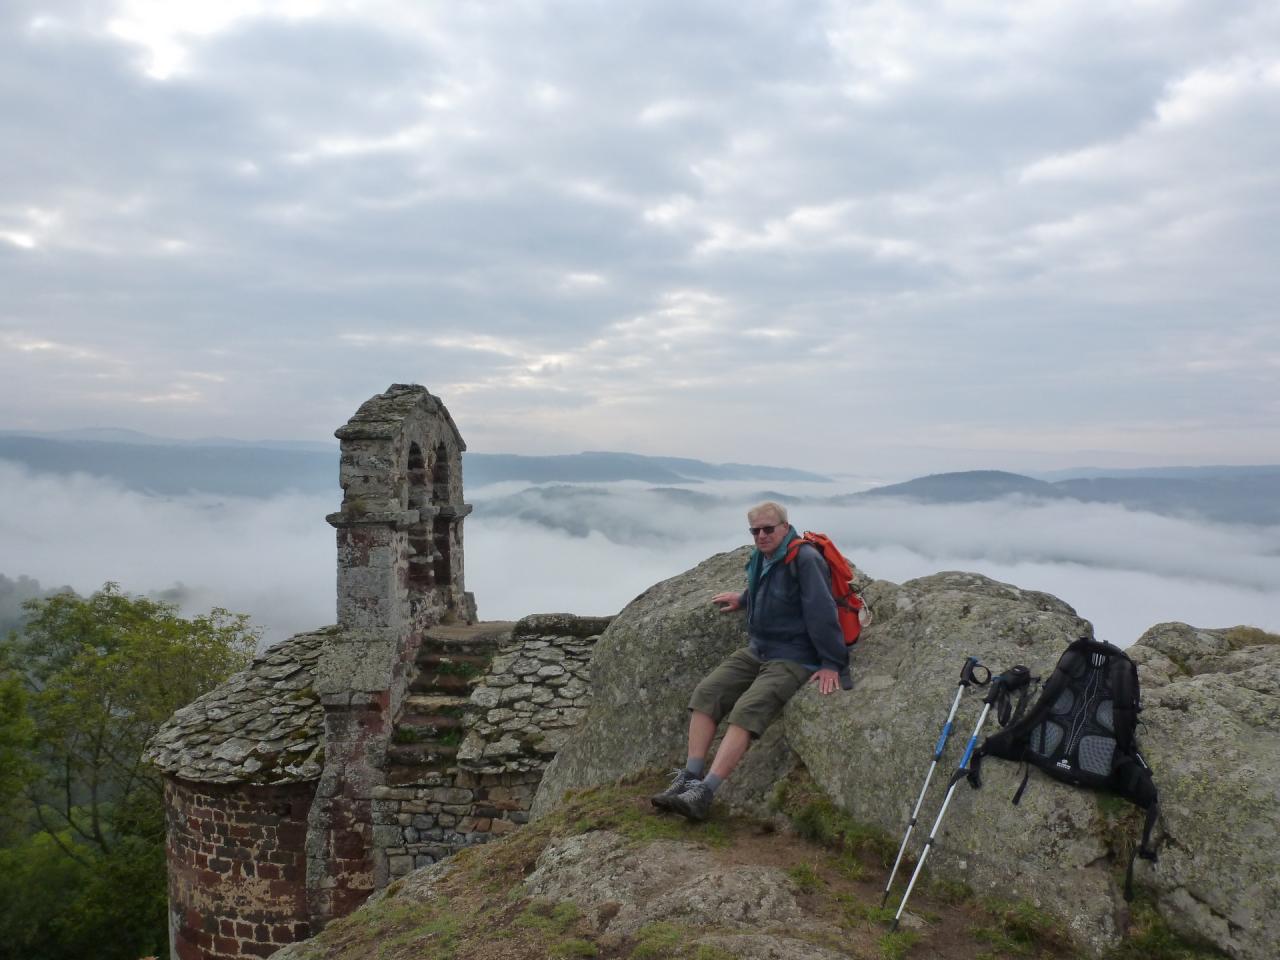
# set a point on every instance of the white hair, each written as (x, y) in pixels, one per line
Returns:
(777, 509)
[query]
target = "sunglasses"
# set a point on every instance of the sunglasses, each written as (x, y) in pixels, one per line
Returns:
(767, 531)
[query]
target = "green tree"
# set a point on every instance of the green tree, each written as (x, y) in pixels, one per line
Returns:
(99, 675)
(17, 733)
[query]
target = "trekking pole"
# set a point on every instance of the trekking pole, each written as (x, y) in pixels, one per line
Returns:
(968, 675)
(1001, 685)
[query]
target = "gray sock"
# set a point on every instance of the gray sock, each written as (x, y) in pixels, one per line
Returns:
(695, 765)
(712, 782)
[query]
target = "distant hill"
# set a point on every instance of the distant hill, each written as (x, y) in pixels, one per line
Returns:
(150, 465)
(601, 467)
(966, 487)
(1227, 494)
(1168, 473)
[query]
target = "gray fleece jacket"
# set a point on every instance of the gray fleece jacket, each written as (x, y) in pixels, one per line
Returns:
(791, 616)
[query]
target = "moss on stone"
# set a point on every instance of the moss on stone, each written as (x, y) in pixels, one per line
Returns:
(1244, 636)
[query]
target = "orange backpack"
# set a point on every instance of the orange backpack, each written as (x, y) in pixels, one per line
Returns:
(851, 609)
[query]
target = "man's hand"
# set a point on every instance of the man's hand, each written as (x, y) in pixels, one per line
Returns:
(828, 681)
(727, 602)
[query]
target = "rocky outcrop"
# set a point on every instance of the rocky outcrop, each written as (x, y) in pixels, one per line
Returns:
(665, 880)
(1209, 733)
(646, 663)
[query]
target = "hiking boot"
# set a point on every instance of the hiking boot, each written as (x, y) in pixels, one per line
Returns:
(680, 782)
(694, 803)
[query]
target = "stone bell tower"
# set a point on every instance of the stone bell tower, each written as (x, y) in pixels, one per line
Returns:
(400, 571)
(400, 524)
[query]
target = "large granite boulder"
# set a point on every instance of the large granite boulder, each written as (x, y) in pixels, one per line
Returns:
(1209, 732)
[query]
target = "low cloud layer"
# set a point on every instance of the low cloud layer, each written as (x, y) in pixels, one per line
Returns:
(274, 558)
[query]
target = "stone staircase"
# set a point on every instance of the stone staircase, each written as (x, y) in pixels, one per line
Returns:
(486, 710)
(432, 720)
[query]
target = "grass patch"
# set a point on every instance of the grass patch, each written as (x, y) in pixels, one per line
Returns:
(671, 941)
(950, 891)
(549, 917)
(894, 946)
(575, 947)
(434, 939)
(657, 941)
(1151, 938)
(816, 818)
(1019, 928)
(457, 668)
(861, 911)
(805, 878)
(1243, 636)
(594, 810)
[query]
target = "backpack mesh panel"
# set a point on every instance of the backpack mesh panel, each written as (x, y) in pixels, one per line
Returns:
(1066, 700)
(1045, 738)
(1104, 716)
(1095, 754)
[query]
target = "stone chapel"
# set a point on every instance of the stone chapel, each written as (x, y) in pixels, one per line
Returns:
(350, 755)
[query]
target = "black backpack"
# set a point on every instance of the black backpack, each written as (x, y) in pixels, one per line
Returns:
(1082, 730)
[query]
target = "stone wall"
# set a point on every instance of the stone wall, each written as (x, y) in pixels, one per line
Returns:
(535, 694)
(237, 871)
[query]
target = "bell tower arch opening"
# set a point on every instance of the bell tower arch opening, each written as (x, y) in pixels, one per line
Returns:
(445, 524)
(423, 567)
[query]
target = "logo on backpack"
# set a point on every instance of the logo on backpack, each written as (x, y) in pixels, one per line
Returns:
(851, 610)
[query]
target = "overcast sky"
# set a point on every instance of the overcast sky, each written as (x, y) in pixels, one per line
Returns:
(927, 235)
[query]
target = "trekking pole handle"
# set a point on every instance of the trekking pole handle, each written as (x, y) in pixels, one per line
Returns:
(969, 673)
(1015, 678)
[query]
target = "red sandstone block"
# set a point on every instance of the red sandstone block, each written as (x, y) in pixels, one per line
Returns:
(226, 945)
(349, 847)
(268, 871)
(262, 933)
(258, 949)
(227, 927)
(243, 930)
(282, 933)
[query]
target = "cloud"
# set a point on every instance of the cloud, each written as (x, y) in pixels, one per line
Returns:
(592, 550)
(972, 219)
(272, 558)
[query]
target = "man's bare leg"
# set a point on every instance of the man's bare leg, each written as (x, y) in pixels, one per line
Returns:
(702, 730)
(732, 748)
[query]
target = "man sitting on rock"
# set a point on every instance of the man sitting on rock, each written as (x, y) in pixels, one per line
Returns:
(795, 639)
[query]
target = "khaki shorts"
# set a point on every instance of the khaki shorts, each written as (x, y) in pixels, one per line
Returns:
(751, 691)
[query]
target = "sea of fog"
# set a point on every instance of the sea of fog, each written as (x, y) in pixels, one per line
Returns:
(589, 549)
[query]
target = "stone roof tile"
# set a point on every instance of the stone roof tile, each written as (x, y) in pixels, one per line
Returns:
(263, 725)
